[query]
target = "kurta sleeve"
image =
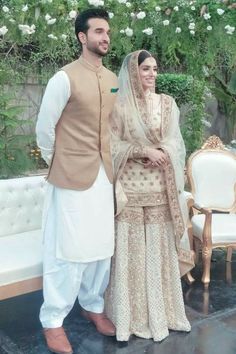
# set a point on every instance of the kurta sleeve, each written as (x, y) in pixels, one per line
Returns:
(138, 152)
(55, 98)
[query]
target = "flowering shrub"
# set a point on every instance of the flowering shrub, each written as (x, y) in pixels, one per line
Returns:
(186, 35)
(191, 37)
(189, 91)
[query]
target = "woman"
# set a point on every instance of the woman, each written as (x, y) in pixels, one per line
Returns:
(145, 295)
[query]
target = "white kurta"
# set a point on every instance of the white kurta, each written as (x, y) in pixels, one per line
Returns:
(85, 223)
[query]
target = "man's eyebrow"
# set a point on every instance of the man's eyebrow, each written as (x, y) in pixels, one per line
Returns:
(102, 29)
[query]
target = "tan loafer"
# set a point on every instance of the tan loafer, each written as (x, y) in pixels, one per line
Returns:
(101, 322)
(57, 340)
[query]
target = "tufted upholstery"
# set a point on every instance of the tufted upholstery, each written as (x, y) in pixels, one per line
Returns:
(21, 202)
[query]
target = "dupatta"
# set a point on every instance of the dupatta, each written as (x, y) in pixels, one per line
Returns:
(130, 128)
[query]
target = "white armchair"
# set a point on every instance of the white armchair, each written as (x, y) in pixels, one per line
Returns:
(211, 173)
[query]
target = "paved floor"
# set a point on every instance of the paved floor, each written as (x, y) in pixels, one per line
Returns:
(212, 314)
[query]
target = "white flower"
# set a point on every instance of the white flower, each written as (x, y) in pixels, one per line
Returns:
(157, 8)
(220, 11)
(12, 20)
(64, 36)
(5, 9)
(128, 4)
(3, 30)
(73, 2)
(52, 36)
(207, 16)
(178, 30)
(141, 15)
(148, 31)
(51, 21)
(72, 14)
(176, 8)
(166, 22)
(96, 2)
(205, 71)
(122, 31)
(192, 32)
(129, 32)
(229, 29)
(47, 17)
(111, 15)
(132, 15)
(26, 29)
(209, 28)
(25, 8)
(191, 26)
(193, 8)
(122, 1)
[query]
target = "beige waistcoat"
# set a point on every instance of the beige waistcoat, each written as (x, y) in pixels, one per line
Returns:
(82, 132)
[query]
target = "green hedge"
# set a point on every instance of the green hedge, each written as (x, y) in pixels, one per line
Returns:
(186, 90)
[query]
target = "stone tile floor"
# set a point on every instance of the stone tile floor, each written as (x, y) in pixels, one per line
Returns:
(212, 314)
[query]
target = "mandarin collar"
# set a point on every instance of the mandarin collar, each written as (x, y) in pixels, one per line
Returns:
(89, 66)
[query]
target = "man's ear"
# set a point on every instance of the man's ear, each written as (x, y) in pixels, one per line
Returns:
(82, 37)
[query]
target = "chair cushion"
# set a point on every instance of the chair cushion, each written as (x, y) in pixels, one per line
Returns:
(212, 171)
(21, 257)
(223, 227)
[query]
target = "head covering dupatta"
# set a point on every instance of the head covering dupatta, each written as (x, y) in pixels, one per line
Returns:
(129, 128)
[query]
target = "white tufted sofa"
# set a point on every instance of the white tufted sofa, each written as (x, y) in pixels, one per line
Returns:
(21, 202)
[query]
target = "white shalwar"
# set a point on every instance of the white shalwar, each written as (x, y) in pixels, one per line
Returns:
(78, 226)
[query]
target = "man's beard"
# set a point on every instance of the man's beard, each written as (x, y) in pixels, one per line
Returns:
(97, 51)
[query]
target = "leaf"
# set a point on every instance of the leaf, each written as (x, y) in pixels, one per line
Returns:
(232, 84)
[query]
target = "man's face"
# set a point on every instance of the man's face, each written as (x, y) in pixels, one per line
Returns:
(97, 39)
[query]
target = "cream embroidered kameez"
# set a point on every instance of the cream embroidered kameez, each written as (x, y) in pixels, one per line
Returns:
(145, 295)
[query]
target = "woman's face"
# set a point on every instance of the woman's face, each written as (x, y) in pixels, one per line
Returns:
(148, 73)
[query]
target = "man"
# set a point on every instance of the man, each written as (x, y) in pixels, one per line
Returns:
(73, 135)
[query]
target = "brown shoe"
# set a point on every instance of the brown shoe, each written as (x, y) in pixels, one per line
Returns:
(57, 341)
(101, 322)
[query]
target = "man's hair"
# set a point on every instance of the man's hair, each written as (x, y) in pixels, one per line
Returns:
(81, 22)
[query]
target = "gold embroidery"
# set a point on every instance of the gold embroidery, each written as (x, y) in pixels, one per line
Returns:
(146, 215)
(144, 296)
(131, 216)
(157, 215)
(139, 151)
(172, 193)
(166, 104)
(147, 199)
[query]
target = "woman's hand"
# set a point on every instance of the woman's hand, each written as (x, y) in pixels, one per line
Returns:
(156, 157)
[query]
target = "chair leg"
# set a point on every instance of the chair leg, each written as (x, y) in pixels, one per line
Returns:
(229, 254)
(197, 247)
(206, 262)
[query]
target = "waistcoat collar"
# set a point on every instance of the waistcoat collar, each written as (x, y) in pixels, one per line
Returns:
(89, 66)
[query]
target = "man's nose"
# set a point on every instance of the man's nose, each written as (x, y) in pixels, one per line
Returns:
(106, 37)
